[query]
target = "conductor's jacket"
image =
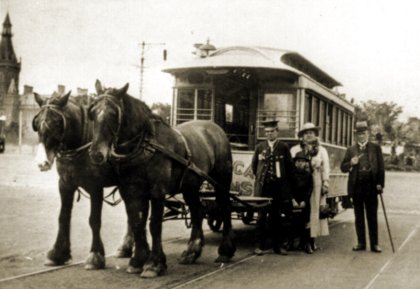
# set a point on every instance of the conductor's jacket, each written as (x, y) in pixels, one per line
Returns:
(260, 167)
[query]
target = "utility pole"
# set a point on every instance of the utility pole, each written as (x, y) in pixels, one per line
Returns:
(143, 51)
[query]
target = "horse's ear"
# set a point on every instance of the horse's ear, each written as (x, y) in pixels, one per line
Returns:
(39, 99)
(98, 87)
(123, 90)
(62, 101)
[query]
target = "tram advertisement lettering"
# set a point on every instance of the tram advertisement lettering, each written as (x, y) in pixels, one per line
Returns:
(243, 178)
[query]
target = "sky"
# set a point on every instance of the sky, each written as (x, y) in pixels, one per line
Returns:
(371, 46)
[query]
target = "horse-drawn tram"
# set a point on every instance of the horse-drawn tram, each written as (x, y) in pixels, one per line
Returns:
(240, 87)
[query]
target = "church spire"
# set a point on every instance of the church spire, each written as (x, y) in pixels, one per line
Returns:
(7, 52)
(7, 26)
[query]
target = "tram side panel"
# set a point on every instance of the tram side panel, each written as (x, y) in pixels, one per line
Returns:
(243, 178)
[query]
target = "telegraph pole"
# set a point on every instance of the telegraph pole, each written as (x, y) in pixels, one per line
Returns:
(143, 50)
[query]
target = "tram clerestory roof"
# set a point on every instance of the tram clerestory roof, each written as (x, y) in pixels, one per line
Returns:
(258, 57)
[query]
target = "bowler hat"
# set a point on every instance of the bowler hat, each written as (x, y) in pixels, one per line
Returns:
(360, 126)
(308, 126)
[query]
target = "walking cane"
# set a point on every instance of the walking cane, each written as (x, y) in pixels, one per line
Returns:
(386, 221)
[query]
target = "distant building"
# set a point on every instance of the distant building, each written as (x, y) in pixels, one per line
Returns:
(13, 105)
(9, 76)
(387, 148)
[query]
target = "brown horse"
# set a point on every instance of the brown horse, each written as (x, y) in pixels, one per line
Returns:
(141, 145)
(65, 133)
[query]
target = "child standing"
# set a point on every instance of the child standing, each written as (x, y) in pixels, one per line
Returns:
(300, 200)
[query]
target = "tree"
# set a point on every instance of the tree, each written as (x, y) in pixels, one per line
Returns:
(411, 130)
(384, 115)
(162, 109)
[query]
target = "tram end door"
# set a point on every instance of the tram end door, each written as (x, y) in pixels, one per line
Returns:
(233, 113)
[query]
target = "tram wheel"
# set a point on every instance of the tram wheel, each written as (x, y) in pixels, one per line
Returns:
(214, 224)
(247, 217)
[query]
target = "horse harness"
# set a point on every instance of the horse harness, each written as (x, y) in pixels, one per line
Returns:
(145, 148)
(72, 154)
(150, 147)
(65, 154)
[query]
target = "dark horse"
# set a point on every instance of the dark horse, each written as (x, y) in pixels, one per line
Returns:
(143, 147)
(65, 133)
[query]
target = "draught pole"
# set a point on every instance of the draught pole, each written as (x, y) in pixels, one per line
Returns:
(387, 223)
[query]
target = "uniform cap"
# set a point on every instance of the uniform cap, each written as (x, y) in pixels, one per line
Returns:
(270, 123)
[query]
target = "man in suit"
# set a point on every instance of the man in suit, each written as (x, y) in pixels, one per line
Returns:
(365, 165)
(273, 167)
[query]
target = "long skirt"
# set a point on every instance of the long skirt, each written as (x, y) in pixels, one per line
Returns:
(318, 227)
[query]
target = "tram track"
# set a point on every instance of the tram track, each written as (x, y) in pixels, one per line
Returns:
(224, 267)
(190, 279)
(72, 264)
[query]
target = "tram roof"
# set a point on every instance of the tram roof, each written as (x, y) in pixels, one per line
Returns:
(258, 57)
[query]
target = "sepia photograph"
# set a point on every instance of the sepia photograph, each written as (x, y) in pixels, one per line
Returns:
(209, 144)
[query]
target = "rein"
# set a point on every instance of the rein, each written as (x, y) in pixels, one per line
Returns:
(113, 203)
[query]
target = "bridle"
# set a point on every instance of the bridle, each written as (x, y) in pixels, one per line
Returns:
(55, 109)
(138, 140)
(119, 106)
(61, 152)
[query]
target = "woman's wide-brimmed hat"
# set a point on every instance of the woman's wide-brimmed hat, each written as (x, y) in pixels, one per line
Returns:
(307, 127)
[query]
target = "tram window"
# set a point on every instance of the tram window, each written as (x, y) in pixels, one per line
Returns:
(185, 105)
(308, 108)
(339, 122)
(322, 120)
(229, 113)
(350, 130)
(315, 111)
(334, 124)
(281, 107)
(193, 104)
(344, 128)
(204, 104)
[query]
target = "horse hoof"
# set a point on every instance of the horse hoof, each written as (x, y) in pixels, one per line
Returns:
(133, 270)
(188, 258)
(58, 257)
(149, 274)
(52, 263)
(95, 261)
(222, 259)
(124, 253)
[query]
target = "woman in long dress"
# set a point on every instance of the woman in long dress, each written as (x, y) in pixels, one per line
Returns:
(320, 167)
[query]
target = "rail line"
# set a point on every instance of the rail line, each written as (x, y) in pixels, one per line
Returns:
(178, 285)
(73, 264)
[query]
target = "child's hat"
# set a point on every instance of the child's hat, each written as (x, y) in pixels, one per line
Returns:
(301, 156)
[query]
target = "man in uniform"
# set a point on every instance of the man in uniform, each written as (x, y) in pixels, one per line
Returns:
(273, 167)
(365, 165)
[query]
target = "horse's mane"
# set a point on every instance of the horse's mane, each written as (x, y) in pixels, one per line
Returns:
(145, 115)
(79, 100)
